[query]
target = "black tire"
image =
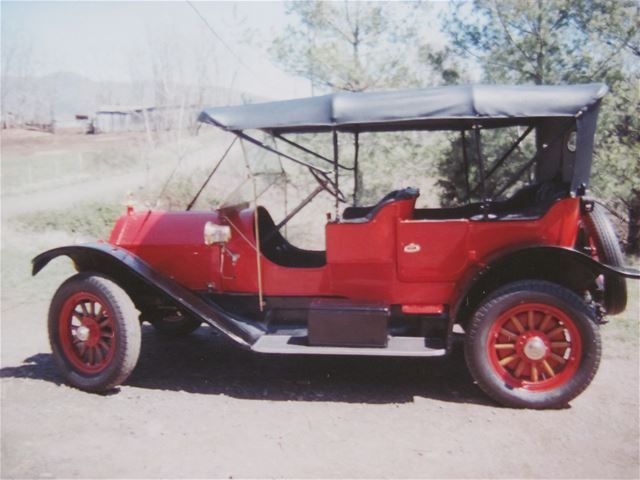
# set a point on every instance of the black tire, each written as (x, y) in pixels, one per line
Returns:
(600, 230)
(111, 323)
(503, 382)
(172, 323)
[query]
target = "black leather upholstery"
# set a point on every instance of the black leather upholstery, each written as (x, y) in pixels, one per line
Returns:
(367, 213)
(277, 249)
(530, 202)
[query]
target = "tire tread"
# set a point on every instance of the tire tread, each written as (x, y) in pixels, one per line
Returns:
(615, 287)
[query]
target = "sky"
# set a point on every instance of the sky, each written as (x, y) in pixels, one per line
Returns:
(104, 40)
(114, 40)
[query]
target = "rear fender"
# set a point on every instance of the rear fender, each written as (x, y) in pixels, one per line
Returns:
(561, 265)
(135, 275)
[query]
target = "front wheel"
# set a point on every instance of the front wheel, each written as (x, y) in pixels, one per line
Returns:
(533, 344)
(94, 332)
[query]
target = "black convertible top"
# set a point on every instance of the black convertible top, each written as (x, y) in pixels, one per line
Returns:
(450, 107)
(552, 110)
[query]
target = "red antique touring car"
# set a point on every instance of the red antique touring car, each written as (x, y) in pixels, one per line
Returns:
(526, 269)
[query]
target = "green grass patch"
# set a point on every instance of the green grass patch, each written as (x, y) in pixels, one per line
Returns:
(19, 286)
(179, 190)
(31, 172)
(625, 328)
(93, 220)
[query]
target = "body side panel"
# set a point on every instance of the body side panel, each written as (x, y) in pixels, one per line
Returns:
(365, 260)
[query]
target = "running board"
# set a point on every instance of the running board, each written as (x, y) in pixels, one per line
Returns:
(396, 347)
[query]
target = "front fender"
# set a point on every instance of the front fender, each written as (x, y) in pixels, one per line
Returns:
(87, 257)
(126, 268)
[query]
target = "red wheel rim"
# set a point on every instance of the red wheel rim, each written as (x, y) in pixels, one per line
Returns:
(534, 346)
(87, 333)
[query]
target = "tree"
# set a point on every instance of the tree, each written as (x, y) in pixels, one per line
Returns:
(566, 41)
(359, 46)
(617, 159)
(18, 92)
(615, 28)
(349, 46)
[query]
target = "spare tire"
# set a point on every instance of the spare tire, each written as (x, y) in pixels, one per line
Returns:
(600, 236)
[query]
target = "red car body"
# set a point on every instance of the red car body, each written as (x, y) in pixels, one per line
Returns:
(364, 261)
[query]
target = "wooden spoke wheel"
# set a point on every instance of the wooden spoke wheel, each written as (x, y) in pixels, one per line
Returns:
(87, 332)
(94, 332)
(533, 344)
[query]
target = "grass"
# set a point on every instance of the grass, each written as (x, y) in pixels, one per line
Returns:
(625, 328)
(91, 220)
(18, 248)
(44, 170)
(94, 220)
(180, 190)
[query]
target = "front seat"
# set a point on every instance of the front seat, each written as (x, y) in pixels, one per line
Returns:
(367, 213)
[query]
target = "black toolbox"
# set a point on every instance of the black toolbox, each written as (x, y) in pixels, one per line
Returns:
(338, 322)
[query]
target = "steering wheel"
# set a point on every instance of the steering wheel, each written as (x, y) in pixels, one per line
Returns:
(328, 185)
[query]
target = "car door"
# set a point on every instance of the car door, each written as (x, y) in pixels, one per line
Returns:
(432, 250)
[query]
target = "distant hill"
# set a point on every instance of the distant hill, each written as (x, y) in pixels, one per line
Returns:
(62, 95)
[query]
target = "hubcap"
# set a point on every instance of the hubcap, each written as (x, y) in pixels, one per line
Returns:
(535, 349)
(82, 333)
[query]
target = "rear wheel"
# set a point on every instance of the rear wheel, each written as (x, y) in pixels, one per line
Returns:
(94, 332)
(533, 344)
(600, 240)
